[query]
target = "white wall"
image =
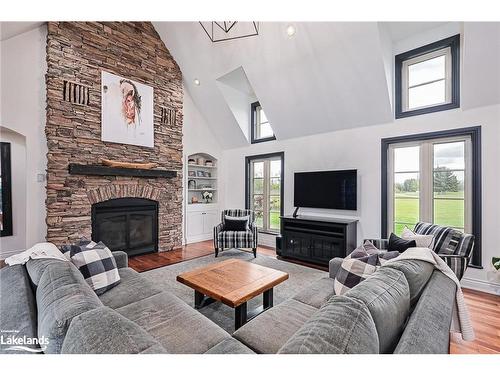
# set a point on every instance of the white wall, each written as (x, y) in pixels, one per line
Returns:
(22, 110)
(360, 149)
(197, 138)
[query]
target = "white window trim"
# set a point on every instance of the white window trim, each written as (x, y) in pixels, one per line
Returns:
(426, 202)
(405, 78)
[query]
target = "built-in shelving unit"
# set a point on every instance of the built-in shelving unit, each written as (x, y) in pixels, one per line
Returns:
(201, 216)
(201, 177)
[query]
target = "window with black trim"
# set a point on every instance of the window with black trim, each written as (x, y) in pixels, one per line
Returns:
(428, 78)
(264, 189)
(261, 128)
(436, 178)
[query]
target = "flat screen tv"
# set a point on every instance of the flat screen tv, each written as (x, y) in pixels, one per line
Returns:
(326, 189)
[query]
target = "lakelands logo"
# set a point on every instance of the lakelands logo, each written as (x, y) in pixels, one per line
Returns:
(11, 341)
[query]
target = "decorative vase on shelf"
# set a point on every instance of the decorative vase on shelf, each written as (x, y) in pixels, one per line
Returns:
(208, 196)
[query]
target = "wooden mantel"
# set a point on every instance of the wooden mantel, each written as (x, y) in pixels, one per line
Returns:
(102, 170)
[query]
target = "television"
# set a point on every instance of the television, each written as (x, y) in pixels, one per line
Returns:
(326, 189)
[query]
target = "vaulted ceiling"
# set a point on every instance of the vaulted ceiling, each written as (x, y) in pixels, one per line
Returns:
(328, 76)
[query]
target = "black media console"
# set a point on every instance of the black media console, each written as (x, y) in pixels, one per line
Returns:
(317, 239)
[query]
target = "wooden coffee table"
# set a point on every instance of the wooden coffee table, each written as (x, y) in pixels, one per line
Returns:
(233, 282)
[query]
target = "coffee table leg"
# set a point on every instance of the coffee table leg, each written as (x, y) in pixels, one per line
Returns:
(240, 315)
(268, 299)
(198, 299)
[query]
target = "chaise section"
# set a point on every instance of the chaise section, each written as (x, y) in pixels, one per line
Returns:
(317, 293)
(428, 329)
(104, 331)
(342, 326)
(132, 288)
(17, 309)
(230, 346)
(176, 325)
(267, 332)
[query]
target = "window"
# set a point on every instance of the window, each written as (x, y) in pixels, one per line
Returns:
(428, 78)
(264, 190)
(435, 178)
(6, 191)
(261, 128)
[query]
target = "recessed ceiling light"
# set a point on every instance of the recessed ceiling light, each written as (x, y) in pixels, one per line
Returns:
(290, 30)
(196, 81)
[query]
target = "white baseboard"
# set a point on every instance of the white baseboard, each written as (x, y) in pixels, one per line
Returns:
(481, 285)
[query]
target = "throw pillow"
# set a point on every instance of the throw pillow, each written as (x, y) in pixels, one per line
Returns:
(237, 224)
(353, 270)
(398, 244)
(370, 249)
(422, 240)
(96, 263)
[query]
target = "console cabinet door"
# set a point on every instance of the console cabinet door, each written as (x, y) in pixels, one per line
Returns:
(324, 248)
(296, 245)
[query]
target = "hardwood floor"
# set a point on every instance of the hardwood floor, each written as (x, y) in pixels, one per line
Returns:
(148, 262)
(484, 308)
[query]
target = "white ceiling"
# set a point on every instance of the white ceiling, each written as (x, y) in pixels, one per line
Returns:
(10, 29)
(402, 30)
(329, 76)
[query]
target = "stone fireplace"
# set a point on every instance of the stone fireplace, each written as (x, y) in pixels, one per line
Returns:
(77, 52)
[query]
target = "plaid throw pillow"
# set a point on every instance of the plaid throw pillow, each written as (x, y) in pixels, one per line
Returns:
(96, 263)
(354, 269)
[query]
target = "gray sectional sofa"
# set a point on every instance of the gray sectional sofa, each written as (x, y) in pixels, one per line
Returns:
(50, 298)
(403, 308)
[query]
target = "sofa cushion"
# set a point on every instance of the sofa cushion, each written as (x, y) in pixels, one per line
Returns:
(268, 332)
(36, 268)
(317, 293)
(17, 306)
(132, 288)
(342, 326)
(417, 273)
(428, 329)
(230, 346)
(104, 331)
(387, 295)
(61, 295)
(176, 325)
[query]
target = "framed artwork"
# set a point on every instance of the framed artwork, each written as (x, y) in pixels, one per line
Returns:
(127, 111)
(6, 191)
(200, 173)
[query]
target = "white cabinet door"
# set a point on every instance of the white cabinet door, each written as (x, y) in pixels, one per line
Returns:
(195, 225)
(210, 220)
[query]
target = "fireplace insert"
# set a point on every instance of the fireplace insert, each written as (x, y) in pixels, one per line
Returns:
(127, 224)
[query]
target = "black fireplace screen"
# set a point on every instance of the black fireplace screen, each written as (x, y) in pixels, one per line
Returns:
(127, 224)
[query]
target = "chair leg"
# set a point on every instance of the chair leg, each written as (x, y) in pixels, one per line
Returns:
(216, 252)
(254, 252)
